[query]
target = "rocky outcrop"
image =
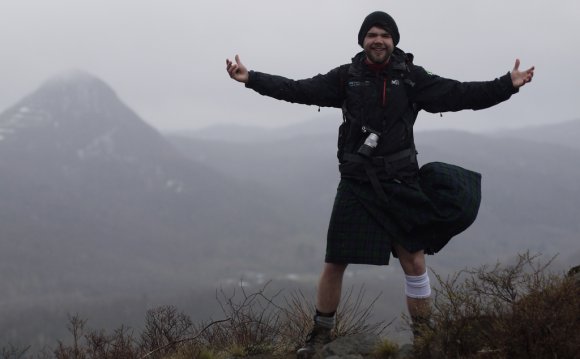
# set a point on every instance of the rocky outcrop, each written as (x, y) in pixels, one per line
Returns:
(356, 346)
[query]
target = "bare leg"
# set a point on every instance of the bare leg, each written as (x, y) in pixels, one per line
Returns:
(330, 287)
(328, 297)
(414, 264)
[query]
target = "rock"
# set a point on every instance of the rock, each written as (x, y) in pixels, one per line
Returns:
(351, 347)
(406, 351)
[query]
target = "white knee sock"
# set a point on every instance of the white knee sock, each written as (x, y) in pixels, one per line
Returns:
(417, 286)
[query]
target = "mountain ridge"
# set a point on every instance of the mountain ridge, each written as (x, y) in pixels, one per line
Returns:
(89, 192)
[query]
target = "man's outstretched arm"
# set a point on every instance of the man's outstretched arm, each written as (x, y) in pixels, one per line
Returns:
(437, 94)
(320, 90)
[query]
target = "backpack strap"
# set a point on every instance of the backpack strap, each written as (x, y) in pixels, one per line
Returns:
(345, 125)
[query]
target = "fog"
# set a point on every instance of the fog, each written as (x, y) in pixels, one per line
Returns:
(167, 59)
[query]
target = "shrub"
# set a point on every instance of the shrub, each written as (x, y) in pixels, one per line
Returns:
(90, 344)
(508, 311)
(164, 327)
(269, 323)
(386, 350)
(353, 316)
(13, 352)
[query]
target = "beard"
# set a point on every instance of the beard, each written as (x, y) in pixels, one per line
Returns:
(378, 54)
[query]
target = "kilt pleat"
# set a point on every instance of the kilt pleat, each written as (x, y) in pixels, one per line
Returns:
(423, 215)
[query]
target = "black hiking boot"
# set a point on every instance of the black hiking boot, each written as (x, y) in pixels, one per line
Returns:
(316, 339)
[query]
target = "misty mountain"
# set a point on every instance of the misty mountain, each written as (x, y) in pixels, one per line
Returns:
(83, 169)
(99, 208)
(563, 133)
(303, 170)
(239, 133)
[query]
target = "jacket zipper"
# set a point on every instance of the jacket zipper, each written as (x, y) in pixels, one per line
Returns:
(384, 92)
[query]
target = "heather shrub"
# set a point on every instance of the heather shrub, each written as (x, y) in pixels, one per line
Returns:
(519, 310)
(261, 322)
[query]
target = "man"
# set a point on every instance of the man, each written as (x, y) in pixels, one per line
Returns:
(384, 202)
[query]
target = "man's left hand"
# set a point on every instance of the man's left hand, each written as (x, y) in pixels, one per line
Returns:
(520, 78)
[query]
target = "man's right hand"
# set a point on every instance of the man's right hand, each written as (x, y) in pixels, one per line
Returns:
(237, 71)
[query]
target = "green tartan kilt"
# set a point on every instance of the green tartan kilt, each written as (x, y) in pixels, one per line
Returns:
(423, 215)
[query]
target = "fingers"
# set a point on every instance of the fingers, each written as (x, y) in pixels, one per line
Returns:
(530, 71)
(529, 74)
(229, 64)
(231, 67)
(517, 65)
(236, 58)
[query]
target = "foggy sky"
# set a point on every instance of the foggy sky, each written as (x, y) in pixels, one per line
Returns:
(166, 59)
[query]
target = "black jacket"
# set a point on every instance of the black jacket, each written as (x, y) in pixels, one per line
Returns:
(387, 102)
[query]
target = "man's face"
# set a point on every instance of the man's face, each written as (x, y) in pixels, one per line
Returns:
(378, 45)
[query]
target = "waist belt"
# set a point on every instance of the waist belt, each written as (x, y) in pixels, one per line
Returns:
(371, 164)
(382, 160)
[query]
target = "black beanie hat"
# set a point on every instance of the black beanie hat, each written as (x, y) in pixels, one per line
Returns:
(382, 19)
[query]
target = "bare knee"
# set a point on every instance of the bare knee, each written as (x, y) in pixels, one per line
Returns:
(412, 263)
(415, 265)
